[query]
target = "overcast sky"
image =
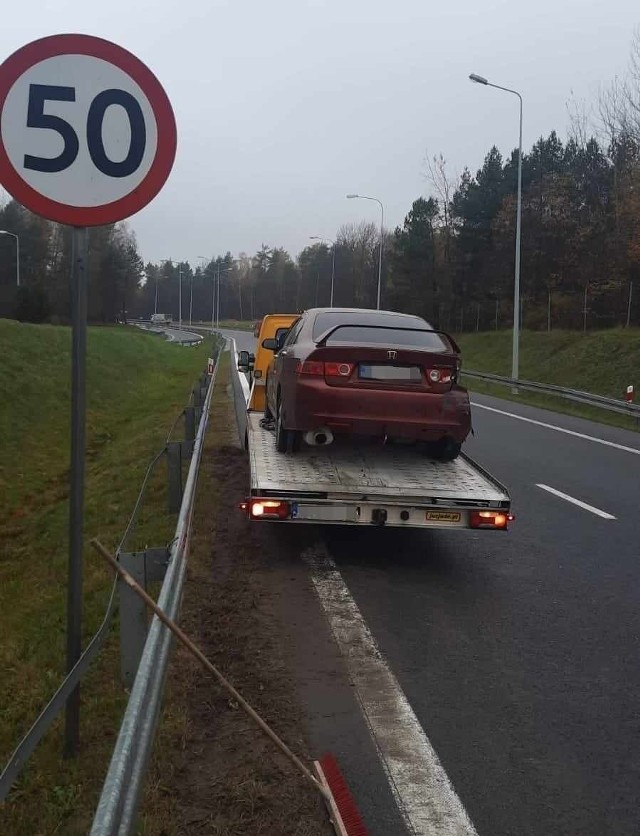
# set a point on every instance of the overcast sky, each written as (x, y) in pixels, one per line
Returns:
(284, 106)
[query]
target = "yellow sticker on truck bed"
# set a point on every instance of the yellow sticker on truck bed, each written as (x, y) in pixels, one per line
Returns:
(443, 516)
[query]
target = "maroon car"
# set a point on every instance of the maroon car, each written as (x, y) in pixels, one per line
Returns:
(364, 372)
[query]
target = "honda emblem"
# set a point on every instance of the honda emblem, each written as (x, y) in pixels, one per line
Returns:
(392, 355)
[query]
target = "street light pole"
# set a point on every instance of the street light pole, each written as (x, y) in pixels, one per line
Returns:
(515, 358)
(333, 261)
(213, 287)
(220, 271)
(364, 197)
(13, 235)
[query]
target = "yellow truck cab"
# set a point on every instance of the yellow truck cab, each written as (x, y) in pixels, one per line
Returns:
(272, 326)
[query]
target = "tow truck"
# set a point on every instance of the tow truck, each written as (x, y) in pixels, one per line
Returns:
(350, 483)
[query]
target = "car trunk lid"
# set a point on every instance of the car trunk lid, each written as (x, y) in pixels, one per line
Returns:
(383, 368)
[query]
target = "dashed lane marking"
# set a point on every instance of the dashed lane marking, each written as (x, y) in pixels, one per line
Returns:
(578, 502)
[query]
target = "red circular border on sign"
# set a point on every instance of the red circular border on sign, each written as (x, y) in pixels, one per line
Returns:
(37, 51)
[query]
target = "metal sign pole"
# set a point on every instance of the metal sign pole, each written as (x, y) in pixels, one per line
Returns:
(79, 281)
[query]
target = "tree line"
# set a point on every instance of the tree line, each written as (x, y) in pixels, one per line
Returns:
(451, 261)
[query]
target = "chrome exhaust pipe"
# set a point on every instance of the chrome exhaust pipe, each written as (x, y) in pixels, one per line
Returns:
(319, 438)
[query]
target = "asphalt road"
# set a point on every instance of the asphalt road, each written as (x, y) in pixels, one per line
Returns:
(245, 341)
(517, 652)
(182, 336)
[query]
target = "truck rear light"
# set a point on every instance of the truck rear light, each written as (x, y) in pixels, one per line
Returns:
(489, 519)
(269, 509)
(312, 367)
(338, 369)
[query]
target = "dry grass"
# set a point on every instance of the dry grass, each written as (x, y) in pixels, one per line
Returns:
(214, 773)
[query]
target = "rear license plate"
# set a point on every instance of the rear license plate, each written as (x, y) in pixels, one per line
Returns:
(443, 516)
(409, 374)
(324, 513)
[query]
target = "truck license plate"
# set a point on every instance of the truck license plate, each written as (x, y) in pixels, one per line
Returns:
(324, 513)
(443, 516)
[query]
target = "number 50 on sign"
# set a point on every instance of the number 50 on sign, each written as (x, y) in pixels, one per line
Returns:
(87, 134)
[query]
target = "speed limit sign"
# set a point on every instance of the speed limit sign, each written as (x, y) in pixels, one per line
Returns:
(87, 134)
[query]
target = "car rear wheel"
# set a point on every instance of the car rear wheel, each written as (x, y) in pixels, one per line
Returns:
(268, 415)
(287, 441)
(446, 450)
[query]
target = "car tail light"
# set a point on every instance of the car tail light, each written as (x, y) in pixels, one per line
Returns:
(490, 519)
(319, 369)
(442, 375)
(338, 369)
(313, 367)
(268, 509)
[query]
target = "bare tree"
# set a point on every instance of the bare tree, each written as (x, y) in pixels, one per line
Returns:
(619, 103)
(581, 120)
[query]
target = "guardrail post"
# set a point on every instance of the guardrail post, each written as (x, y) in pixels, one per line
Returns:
(145, 566)
(174, 471)
(133, 618)
(190, 423)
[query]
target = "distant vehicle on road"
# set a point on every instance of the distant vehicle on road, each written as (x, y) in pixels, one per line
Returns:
(161, 319)
(369, 373)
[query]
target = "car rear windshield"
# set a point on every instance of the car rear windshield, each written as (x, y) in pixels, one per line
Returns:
(360, 328)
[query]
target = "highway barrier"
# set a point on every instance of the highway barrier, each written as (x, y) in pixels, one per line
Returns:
(611, 404)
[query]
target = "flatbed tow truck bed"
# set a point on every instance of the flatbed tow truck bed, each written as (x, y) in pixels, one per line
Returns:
(351, 483)
(347, 483)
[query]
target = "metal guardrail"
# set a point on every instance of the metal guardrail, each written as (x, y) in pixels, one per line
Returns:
(192, 337)
(117, 808)
(241, 392)
(587, 398)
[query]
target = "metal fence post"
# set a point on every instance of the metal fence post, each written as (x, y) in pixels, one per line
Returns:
(174, 472)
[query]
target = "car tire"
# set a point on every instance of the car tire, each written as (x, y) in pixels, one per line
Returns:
(287, 441)
(445, 450)
(268, 415)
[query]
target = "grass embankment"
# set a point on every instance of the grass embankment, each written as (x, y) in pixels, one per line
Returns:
(136, 386)
(237, 324)
(601, 362)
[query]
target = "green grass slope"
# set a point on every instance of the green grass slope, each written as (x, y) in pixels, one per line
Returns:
(136, 385)
(601, 362)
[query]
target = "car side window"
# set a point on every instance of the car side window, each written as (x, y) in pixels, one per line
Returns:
(293, 333)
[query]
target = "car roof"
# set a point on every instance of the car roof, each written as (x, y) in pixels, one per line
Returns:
(316, 311)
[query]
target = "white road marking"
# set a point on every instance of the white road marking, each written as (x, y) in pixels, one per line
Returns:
(424, 795)
(578, 502)
(634, 450)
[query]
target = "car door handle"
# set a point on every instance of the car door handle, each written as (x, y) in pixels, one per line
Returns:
(282, 354)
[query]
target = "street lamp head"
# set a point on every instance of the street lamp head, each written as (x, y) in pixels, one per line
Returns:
(479, 79)
(351, 196)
